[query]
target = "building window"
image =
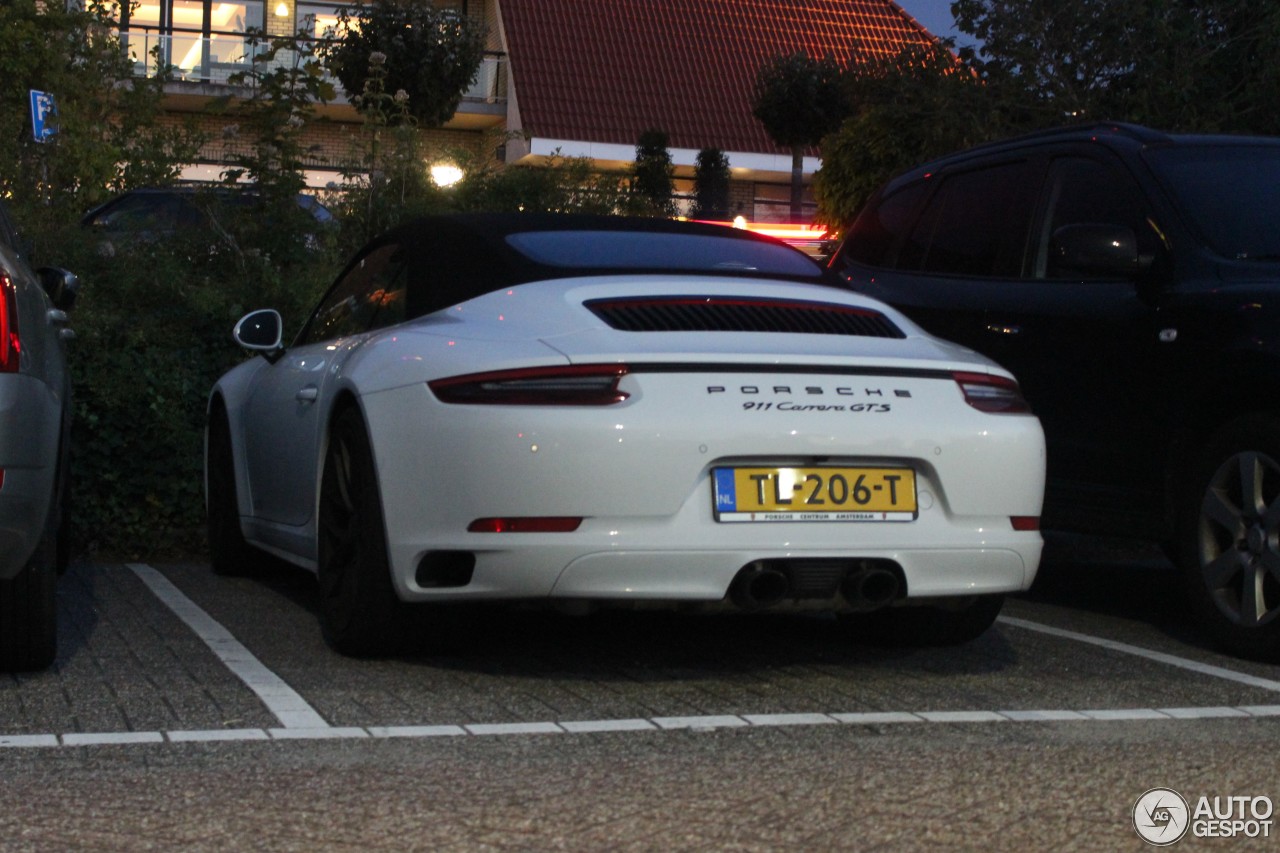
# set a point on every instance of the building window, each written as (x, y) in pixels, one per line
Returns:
(198, 38)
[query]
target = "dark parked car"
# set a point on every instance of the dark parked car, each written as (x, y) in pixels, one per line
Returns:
(156, 213)
(35, 418)
(1130, 279)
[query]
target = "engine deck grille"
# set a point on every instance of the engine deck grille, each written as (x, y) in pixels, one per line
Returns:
(721, 314)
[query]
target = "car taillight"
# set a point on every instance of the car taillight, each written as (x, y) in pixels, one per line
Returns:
(571, 385)
(996, 394)
(10, 346)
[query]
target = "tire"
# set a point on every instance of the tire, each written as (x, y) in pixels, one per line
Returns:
(229, 553)
(28, 611)
(914, 626)
(1228, 538)
(360, 614)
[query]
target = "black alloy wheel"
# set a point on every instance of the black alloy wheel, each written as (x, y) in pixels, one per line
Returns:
(1230, 548)
(360, 614)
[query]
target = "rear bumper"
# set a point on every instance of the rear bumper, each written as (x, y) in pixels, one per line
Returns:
(678, 575)
(641, 480)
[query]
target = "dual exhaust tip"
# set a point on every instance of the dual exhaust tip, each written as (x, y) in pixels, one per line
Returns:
(865, 585)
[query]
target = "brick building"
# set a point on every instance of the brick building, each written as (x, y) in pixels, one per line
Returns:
(574, 77)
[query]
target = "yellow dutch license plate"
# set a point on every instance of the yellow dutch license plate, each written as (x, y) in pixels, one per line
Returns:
(814, 494)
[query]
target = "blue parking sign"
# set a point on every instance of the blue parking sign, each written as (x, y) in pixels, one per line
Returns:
(44, 115)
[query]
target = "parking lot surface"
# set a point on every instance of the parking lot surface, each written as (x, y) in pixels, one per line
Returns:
(192, 709)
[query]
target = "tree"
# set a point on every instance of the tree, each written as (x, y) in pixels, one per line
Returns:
(1193, 65)
(919, 104)
(110, 134)
(799, 100)
(432, 54)
(652, 178)
(711, 185)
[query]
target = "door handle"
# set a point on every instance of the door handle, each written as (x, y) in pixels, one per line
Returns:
(309, 394)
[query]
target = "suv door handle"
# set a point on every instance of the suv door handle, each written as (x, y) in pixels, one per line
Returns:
(309, 394)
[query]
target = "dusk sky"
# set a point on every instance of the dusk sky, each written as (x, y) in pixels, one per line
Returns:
(936, 17)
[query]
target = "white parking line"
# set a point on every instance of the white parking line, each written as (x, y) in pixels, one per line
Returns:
(707, 723)
(289, 707)
(1158, 657)
(301, 722)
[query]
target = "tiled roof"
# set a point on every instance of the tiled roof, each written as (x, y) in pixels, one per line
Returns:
(604, 71)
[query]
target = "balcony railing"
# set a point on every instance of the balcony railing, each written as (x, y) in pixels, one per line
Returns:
(216, 58)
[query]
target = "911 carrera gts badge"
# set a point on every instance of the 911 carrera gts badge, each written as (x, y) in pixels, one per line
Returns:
(764, 398)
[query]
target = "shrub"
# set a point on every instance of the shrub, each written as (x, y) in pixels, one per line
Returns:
(153, 330)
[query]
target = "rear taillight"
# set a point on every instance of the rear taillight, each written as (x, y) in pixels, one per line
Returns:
(10, 346)
(571, 385)
(996, 394)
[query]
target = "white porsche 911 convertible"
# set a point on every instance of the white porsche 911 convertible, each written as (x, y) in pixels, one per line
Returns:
(608, 411)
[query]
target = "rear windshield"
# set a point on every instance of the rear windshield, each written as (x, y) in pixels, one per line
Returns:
(627, 250)
(1230, 193)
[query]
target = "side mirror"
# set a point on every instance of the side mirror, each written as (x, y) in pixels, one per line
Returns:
(1095, 250)
(62, 286)
(260, 331)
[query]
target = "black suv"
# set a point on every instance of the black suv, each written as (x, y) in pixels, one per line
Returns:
(1131, 281)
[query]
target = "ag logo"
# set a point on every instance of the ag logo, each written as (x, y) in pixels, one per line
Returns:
(1161, 817)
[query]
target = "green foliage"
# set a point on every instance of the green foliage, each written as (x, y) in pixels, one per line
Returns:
(711, 185)
(561, 185)
(652, 181)
(385, 181)
(153, 330)
(906, 109)
(1207, 65)
(799, 99)
(1177, 65)
(284, 86)
(75, 55)
(431, 54)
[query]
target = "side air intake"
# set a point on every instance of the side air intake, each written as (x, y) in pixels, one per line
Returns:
(726, 314)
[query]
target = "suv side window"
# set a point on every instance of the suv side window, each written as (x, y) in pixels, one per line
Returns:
(370, 296)
(1084, 191)
(974, 225)
(882, 226)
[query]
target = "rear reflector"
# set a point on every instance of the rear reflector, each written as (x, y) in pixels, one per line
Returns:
(565, 385)
(526, 524)
(995, 394)
(1025, 522)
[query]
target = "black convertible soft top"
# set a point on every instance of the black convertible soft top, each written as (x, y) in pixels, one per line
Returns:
(454, 258)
